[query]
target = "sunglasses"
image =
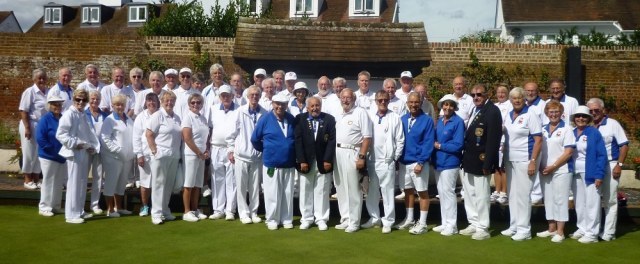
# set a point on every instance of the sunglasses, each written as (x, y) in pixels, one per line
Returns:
(595, 111)
(136, 76)
(474, 95)
(185, 77)
(80, 100)
(581, 116)
(196, 102)
(382, 100)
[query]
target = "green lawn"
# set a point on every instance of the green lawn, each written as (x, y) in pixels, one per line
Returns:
(27, 237)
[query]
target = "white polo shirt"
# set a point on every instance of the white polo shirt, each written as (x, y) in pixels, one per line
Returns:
(265, 103)
(365, 101)
(505, 108)
(580, 154)
(614, 137)
(138, 106)
(33, 102)
(67, 95)
(570, 105)
(538, 106)
(294, 109)
(89, 87)
(182, 100)
(400, 94)
(330, 104)
(167, 132)
(352, 127)
(199, 131)
(519, 133)
(110, 91)
(396, 105)
(554, 143)
(220, 122)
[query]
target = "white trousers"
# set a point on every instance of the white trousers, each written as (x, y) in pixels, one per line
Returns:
(610, 200)
(278, 195)
(476, 200)
(163, 177)
(381, 181)
(193, 171)
(556, 195)
(347, 180)
(30, 162)
(587, 204)
(247, 174)
(77, 177)
(97, 178)
(315, 189)
(145, 173)
(53, 174)
(536, 187)
(446, 182)
(223, 182)
(115, 175)
(519, 189)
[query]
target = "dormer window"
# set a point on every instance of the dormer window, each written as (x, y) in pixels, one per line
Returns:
(138, 14)
(53, 15)
(90, 15)
(364, 7)
(304, 7)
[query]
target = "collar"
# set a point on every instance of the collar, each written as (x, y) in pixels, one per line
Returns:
(117, 117)
(535, 101)
(295, 103)
(548, 126)
(231, 107)
(562, 98)
(63, 88)
(604, 121)
(37, 90)
(525, 109)
(252, 111)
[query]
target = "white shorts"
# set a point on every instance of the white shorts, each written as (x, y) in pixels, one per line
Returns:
(193, 171)
(419, 182)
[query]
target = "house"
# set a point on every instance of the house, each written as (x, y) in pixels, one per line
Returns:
(9, 23)
(107, 17)
(540, 21)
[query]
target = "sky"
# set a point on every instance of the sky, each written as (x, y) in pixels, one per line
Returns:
(445, 20)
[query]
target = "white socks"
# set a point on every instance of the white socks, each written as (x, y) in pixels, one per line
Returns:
(423, 217)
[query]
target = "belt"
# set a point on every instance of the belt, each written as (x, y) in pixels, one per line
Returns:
(348, 146)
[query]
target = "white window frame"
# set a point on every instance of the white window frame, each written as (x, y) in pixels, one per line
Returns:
(364, 11)
(304, 10)
(312, 12)
(88, 12)
(49, 15)
(137, 13)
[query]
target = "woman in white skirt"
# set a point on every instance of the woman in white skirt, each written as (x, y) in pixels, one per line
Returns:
(195, 134)
(141, 149)
(96, 117)
(557, 147)
(32, 108)
(117, 155)
(54, 168)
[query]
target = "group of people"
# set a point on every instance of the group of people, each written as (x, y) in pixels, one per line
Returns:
(278, 138)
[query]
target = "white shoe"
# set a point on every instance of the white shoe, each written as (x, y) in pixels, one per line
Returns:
(45, 213)
(386, 229)
(245, 220)
(230, 217)
(96, 210)
(30, 185)
(480, 235)
(418, 229)
(129, 185)
(206, 191)
(449, 231)
(371, 223)
(39, 185)
(138, 184)
(200, 215)
(494, 197)
(272, 226)
(169, 217)
(256, 219)
(351, 229)
(577, 235)
(521, 236)
(400, 196)
(508, 232)
(438, 229)
(588, 239)
(503, 199)
(190, 217)
(546, 233)
(469, 231)
(608, 237)
(322, 225)
(404, 224)
(557, 238)
(536, 201)
(342, 225)
(216, 216)
(288, 226)
(75, 220)
(304, 225)
(156, 220)
(86, 215)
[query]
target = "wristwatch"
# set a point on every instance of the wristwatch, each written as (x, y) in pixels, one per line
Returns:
(620, 164)
(361, 156)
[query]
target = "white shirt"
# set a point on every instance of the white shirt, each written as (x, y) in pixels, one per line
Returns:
(220, 123)
(138, 106)
(538, 106)
(330, 104)
(182, 100)
(199, 132)
(400, 94)
(89, 87)
(66, 95)
(352, 127)
(613, 135)
(287, 94)
(33, 102)
(396, 105)
(554, 143)
(294, 108)
(240, 140)
(167, 132)
(505, 108)
(365, 101)
(116, 135)
(580, 154)
(388, 137)
(465, 108)
(110, 91)
(265, 103)
(570, 105)
(518, 135)
(211, 96)
(140, 143)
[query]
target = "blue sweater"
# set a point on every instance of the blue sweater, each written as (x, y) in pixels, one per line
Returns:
(596, 159)
(48, 145)
(451, 139)
(418, 143)
(277, 150)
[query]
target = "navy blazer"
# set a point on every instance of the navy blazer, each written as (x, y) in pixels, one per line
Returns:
(322, 148)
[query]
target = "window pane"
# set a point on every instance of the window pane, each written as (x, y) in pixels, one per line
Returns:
(252, 5)
(132, 13)
(358, 5)
(299, 4)
(369, 5)
(56, 15)
(85, 14)
(95, 13)
(142, 13)
(308, 5)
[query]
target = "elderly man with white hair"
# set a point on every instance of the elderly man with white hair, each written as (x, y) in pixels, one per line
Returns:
(268, 91)
(330, 100)
(117, 87)
(92, 81)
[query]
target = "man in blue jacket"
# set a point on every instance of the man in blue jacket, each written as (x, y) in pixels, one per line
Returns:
(274, 137)
(419, 135)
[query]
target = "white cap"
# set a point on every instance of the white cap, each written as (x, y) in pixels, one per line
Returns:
(290, 76)
(170, 71)
(299, 86)
(406, 74)
(185, 70)
(260, 71)
(224, 89)
(54, 98)
(448, 97)
(280, 98)
(582, 110)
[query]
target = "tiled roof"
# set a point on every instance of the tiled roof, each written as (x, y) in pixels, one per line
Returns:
(337, 10)
(4, 15)
(626, 12)
(331, 42)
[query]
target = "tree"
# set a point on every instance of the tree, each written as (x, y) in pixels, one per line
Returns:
(632, 39)
(482, 36)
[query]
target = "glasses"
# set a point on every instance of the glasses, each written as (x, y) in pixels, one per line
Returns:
(136, 76)
(595, 111)
(256, 95)
(185, 77)
(80, 100)
(196, 102)
(581, 116)
(474, 95)
(55, 103)
(382, 100)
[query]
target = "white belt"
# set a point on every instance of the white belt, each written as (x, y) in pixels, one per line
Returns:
(348, 146)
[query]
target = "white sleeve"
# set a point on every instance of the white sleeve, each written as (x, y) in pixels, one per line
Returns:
(107, 137)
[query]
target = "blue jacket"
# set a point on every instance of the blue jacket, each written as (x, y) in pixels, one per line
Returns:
(48, 145)
(418, 143)
(277, 150)
(596, 159)
(451, 139)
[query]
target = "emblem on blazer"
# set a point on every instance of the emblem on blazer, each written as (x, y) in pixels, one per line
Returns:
(482, 156)
(326, 137)
(479, 132)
